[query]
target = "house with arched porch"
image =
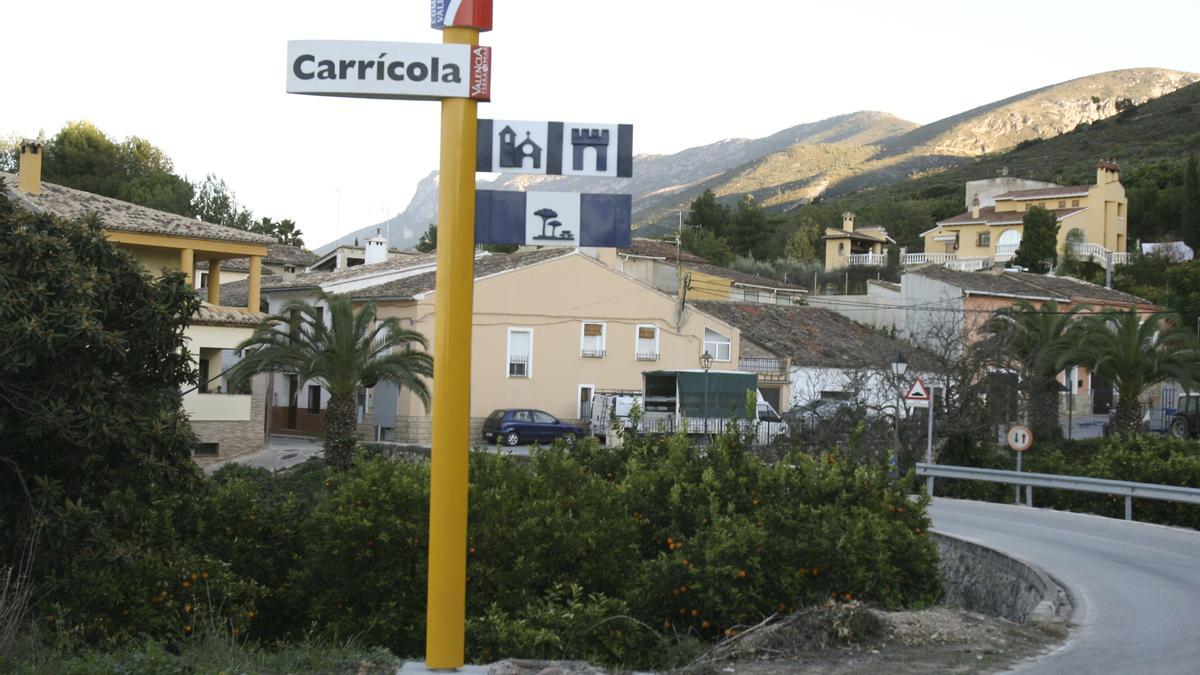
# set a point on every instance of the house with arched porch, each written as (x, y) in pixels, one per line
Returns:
(1092, 222)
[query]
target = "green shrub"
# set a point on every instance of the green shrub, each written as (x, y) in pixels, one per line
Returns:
(135, 572)
(565, 623)
(541, 524)
(362, 566)
(727, 539)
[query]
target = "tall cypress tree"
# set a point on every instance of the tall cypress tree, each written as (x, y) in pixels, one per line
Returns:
(1039, 242)
(1190, 225)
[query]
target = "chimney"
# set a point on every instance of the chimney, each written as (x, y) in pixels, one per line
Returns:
(848, 221)
(975, 206)
(1107, 171)
(377, 249)
(31, 167)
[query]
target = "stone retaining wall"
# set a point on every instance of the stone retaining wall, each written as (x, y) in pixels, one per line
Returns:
(989, 582)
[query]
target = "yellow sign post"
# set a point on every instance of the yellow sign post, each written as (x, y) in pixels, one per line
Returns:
(445, 638)
(458, 73)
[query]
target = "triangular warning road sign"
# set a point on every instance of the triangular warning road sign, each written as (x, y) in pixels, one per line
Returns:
(918, 393)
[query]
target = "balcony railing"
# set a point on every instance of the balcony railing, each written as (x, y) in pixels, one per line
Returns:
(922, 258)
(647, 356)
(518, 366)
(867, 259)
(1098, 254)
(1005, 252)
(592, 353)
(762, 364)
(969, 264)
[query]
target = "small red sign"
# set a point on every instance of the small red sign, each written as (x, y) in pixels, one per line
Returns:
(475, 14)
(481, 73)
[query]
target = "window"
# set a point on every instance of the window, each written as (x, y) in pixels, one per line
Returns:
(984, 239)
(1062, 203)
(1074, 202)
(522, 416)
(314, 399)
(208, 449)
(202, 387)
(321, 315)
(520, 352)
(646, 348)
(719, 346)
(841, 247)
(289, 269)
(204, 280)
(591, 343)
(540, 417)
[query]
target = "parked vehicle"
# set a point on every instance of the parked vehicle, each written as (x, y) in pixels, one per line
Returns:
(523, 425)
(815, 412)
(1186, 421)
(1112, 420)
(607, 406)
(697, 402)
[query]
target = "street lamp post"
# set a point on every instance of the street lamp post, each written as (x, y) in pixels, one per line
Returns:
(899, 367)
(706, 360)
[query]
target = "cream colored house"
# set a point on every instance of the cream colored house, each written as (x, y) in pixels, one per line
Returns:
(227, 423)
(552, 327)
(855, 246)
(1091, 217)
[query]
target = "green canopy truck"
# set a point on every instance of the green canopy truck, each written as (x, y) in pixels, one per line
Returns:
(699, 402)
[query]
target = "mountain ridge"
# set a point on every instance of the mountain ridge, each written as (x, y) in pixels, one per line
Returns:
(829, 157)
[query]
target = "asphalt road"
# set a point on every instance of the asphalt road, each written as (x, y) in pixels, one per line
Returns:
(1135, 586)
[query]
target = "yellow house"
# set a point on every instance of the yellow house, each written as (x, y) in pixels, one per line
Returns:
(1092, 218)
(551, 328)
(226, 423)
(853, 247)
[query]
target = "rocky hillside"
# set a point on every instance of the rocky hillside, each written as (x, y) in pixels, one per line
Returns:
(1041, 113)
(834, 156)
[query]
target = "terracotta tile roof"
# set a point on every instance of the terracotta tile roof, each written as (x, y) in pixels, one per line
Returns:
(212, 315)
(70, 203)
(277, 254)
(812, 336)
(405, 287)
(742, 277)
(871, 234)
(1030, 286)
(654, 248)
(1040, 193)
(485, 266)
(989, 216)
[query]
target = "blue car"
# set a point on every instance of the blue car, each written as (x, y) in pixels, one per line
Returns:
(517, 426)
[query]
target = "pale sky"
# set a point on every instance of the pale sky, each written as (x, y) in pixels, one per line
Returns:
(205, 81)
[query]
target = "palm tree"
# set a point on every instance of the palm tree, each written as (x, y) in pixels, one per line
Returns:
(1038, 339)
(355, 351)
(1135, 353)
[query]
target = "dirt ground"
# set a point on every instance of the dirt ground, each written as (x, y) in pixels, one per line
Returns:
(855, 639)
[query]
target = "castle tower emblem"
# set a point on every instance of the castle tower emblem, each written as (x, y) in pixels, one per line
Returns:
(582, 139)
(513, 154)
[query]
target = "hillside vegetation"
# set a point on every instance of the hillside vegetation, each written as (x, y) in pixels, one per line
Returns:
(780, 181)
(1151, 142)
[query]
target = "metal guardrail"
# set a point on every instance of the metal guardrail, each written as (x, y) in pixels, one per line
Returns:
(1124, 488)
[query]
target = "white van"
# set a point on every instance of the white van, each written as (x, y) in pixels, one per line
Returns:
(605, 406)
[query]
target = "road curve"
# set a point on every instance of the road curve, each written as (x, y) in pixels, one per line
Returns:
(1135, 586)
